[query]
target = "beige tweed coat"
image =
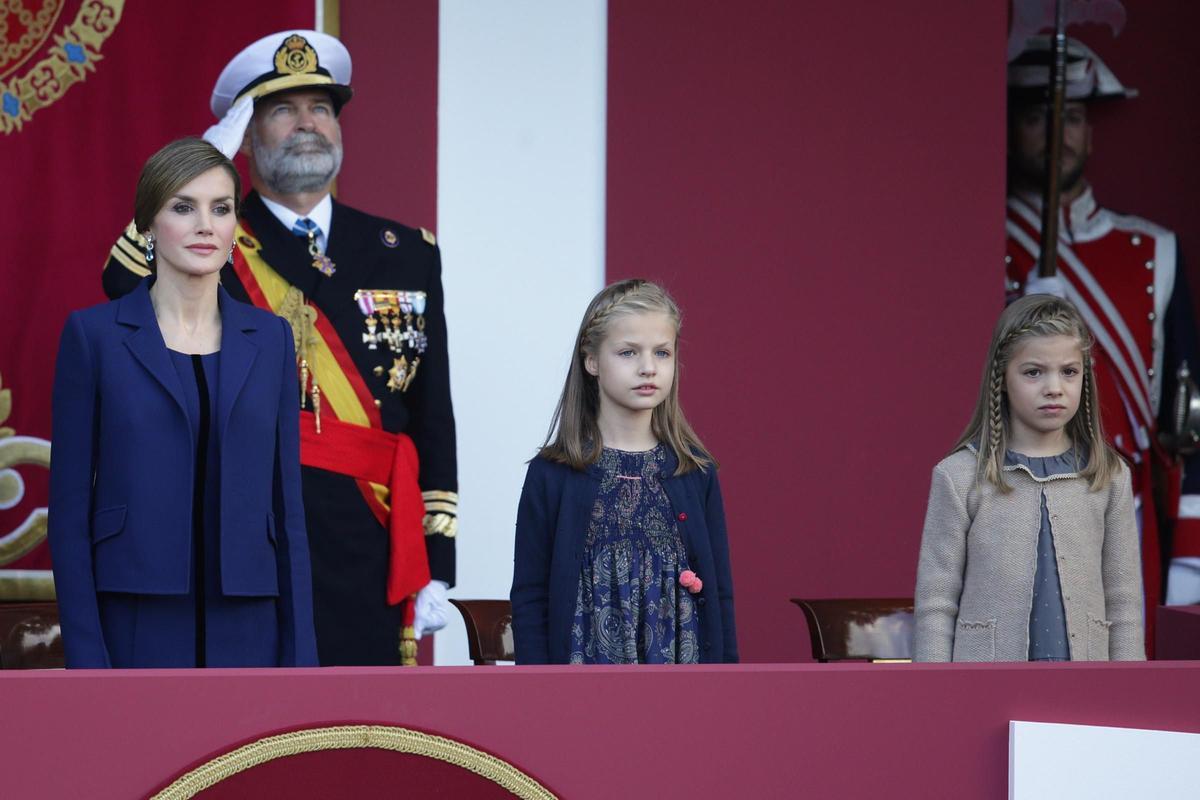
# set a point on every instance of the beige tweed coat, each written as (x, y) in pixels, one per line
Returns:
(978, 551)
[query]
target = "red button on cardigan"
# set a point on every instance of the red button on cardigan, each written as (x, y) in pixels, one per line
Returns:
(682, 516)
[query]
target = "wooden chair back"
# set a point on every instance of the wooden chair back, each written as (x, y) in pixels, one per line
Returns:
(489, 630)
(860, 629)
(30, 637)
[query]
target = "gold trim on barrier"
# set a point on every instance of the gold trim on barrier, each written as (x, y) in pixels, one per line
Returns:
(343, 737)
(26, 585)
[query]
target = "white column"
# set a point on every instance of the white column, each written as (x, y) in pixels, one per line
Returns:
(521, 179)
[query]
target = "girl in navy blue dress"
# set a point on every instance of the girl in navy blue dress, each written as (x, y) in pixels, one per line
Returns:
(621, 552)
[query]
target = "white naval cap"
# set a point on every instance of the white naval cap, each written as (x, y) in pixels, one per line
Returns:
(285, 60)
(1088, 78)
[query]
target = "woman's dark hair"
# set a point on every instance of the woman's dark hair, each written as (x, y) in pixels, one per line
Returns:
(173, 167)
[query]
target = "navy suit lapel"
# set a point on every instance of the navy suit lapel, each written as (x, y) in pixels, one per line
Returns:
(238, 352)
(146, 343)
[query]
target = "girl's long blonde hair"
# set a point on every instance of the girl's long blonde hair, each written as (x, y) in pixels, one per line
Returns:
(1036, 315)
(574, 436)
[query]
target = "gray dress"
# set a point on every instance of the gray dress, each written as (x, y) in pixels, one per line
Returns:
(1047, 619)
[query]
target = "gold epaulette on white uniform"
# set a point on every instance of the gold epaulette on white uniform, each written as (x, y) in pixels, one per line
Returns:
(441, 513)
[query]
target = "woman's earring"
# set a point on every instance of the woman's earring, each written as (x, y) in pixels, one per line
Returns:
(231, 252)
(149, 248)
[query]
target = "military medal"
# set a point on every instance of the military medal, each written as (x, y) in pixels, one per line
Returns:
(320, 262)
(395, 319)
(398, 374)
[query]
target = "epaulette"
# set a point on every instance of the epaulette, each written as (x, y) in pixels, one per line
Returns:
(428, 236)
(130, 251)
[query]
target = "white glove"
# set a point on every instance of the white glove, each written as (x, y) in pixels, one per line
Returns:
(431, 608)
(1053, 285)
(227, 134)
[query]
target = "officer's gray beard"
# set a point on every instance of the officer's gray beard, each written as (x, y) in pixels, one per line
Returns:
(288, 172)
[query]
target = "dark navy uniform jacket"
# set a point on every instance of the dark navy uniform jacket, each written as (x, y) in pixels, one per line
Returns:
(349, 547)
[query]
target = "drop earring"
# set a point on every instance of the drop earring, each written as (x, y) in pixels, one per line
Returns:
(149, 248)
(231, 252)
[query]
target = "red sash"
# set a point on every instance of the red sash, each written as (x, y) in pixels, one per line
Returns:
(383, 464)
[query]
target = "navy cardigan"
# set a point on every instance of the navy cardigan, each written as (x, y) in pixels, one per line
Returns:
(552, 522)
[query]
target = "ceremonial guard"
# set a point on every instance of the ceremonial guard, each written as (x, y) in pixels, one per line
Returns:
(1125, 276)
(364, 299)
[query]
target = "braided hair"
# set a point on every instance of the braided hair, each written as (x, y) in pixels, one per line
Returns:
(988, 431)
(574, 435)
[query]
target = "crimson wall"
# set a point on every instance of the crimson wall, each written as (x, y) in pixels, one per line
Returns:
(821, 186)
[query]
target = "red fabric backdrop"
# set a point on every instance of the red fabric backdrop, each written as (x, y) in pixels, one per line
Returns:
(825, 198)
(69, 175)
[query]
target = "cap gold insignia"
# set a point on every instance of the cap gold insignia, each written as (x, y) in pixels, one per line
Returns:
(390, 239)
(296, 56)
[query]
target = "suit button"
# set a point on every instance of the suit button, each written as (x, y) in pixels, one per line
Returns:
(683, 516)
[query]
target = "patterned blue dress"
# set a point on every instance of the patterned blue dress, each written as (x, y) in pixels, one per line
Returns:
(630, 608)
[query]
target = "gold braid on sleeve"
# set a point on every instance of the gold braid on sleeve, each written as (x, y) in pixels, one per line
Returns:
(441, 513)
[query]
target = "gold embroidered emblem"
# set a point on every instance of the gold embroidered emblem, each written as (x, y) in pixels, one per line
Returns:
(66, 62)
(17, 451)
(428, 236)
(295, 56)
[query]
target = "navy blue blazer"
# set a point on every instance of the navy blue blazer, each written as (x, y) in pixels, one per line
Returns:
(552, 522)
(123, 461)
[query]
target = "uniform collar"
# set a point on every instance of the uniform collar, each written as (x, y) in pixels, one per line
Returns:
(1078, 220)
(322, 214)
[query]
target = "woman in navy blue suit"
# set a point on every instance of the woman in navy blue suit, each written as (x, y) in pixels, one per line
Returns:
(176, 524)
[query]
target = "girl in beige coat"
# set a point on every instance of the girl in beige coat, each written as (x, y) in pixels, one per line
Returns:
(1030, 549)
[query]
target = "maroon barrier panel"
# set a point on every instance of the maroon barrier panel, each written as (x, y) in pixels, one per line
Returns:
(821, 185)
(752, 730)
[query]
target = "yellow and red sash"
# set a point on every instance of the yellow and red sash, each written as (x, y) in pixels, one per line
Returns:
(352, 442)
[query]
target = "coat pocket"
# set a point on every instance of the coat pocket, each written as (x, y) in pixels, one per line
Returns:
(249, 564)
(975, 641)
(1097, 638)
(107, 523)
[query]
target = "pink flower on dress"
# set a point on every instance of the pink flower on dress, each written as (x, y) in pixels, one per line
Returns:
(690, 581)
